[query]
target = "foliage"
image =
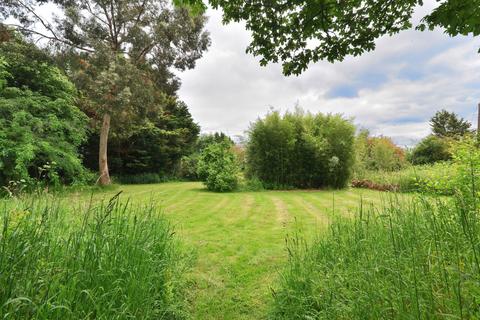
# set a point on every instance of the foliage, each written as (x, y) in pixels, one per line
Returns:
(156, 146)
(457, 17)
(410, 260)
(284, 30)
(446, 124)
(297, 33)
(377, 153)
(112, 261)
(436, 179)
(466, 155)
(440, 178)
(252, 184)
(240, 153)
(40, 123)
(189, 164)
(301, 150)
(218, 167)
(120, 55)
(207, 139)
(430, 150)
(414, 259)
(188, 167)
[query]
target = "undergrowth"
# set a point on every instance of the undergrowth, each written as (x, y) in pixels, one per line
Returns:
(106, 261)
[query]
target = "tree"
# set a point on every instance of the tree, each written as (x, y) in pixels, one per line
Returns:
(39, 122)
(155, 146)
(430, 150)
(301, 32)
(448, 124)
(119, 44)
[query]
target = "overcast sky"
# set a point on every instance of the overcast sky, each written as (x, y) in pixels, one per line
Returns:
(392, 91)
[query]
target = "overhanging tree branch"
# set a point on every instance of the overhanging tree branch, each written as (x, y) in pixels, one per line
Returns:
(52, 38)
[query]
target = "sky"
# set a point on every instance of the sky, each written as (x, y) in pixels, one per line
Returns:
(392, 91)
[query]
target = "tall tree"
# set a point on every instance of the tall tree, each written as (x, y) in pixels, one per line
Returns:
(448, 124)
(297, 33)
(120, 45)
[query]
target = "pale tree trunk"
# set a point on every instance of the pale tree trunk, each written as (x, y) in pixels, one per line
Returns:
(102, 155)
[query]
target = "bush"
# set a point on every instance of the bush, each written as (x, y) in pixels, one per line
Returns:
(218, 167)
(189, 167)
(113, 261)
(377, 153)
(39, 122)
(430, 150)
(189, 164)
(301, 150)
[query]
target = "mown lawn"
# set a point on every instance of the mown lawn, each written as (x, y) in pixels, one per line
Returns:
(239, 238)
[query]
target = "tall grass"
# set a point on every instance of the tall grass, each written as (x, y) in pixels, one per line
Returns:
(411, 260)
(108, 261)
(435, 179)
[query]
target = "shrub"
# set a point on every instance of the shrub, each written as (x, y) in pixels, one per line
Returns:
(377, 153)
(189, 164)
(430, 150)
(188, 167)
(301, 150)
(39, 122)
(218, 167)
(113, 261)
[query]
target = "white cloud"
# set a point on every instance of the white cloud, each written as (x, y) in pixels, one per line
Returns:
(399, 85)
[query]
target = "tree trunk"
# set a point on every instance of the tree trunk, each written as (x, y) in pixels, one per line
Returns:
(102, 154)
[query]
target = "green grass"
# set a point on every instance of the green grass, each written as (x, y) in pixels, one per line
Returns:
(64, 260)
(414, 260)
(239, 238)
(437, 179)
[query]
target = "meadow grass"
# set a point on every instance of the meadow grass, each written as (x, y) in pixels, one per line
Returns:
(238, 238)
(436, 179)
(102, 260)
(408, 260)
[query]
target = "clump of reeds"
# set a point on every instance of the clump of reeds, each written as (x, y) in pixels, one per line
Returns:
(107, 261)
(411, 260)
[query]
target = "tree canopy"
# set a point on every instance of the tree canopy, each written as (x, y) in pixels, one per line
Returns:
(446, 124)
(120, 54)
(297, 33)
